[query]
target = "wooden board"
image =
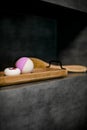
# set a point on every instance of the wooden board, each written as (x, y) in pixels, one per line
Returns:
(37, 75)
(41, 72)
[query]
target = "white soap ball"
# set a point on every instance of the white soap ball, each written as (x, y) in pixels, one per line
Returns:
(11, 71)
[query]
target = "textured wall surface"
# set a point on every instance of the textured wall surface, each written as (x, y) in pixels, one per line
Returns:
(59, 104)
(76, 53)
(32, 36)
(46, 31)
(74, 4)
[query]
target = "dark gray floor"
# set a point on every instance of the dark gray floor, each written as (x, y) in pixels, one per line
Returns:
(58, 104)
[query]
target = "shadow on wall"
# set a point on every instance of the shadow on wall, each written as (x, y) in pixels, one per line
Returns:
(58, 32)
(76, 52)
(26, 35)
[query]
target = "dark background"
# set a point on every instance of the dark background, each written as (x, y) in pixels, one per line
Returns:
(43, 30)
(46, 31)
(80, 5)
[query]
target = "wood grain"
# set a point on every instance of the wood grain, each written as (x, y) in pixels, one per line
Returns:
(41, 72)
(36, 75)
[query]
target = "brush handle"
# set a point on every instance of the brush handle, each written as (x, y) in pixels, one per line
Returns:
(75, 68)
(70, 68)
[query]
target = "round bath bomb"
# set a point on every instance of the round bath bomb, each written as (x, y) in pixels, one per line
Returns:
(25, 64)
(11, 71)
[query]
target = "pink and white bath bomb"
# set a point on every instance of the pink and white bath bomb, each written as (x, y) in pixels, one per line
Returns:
(25, 64)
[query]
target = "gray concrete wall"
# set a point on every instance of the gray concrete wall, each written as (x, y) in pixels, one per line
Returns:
(59, 104)
(80, 5)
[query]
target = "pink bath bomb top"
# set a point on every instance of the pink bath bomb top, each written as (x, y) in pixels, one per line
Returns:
(21, 62)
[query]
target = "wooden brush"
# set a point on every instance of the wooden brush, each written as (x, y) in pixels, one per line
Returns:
(38, 63)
